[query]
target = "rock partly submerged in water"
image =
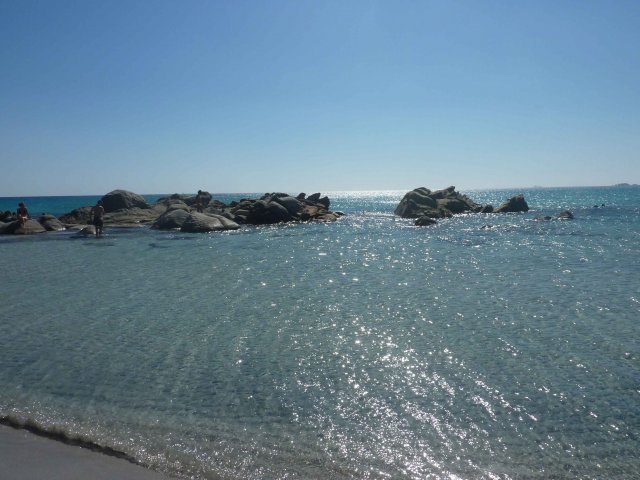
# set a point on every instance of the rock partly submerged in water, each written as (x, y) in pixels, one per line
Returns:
(515, 204)
(424, 204)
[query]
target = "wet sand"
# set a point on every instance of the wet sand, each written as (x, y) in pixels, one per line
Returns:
(26, 456)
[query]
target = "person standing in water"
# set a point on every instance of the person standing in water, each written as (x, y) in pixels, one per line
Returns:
(23, 214)
(98, 212)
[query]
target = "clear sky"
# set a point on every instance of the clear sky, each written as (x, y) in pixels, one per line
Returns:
(254, 96)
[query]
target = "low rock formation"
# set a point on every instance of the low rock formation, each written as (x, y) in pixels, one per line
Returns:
(514, 204)
(16, 228)
(422, 202)
(201, 222)
(50, 223)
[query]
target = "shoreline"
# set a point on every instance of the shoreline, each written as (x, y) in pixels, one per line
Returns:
(28, 455)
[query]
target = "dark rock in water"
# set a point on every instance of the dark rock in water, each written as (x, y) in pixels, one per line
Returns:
(293, 205)
(7, 216)
(301, 196)
(424, 221)
(79, 216)
(565, 215)
(131, 217)
(437, 204)
(514, 204)
(313, 198)
(264, 212)
(171, 219)
(50, 223)
(122, 200)
(200, 223)
(15, 228)
(325, 201)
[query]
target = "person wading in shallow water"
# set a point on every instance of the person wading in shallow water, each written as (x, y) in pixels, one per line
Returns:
(23, 214)
(98, 213)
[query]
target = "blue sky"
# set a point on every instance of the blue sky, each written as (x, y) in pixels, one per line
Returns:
(255, 96)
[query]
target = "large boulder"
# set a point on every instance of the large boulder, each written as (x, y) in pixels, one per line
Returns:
(515, 204)
(79, 216)
(30, 227)
(171, 219)
(293, 205)
(422, 202)
(123, 200)
(200, 223)
(131, 217)
(50, 223)
(264, 212)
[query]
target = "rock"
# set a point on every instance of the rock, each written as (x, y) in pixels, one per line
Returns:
(131, 217)
(200, 223)
(79, 216)
(439, 204)
(313, 198)
(7, 216)
(263, 212)
(454, 205)
(424, 221)
(514, 204)
(50, 223)
(30, 227)
(171, 219)
(123, 200)
(325, 201)
(293, 205)
(166, 204)
(565, 215)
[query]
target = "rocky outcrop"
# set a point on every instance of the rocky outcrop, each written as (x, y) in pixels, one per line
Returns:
(78, 216)
(422, 202)
(50, 223)
(281, 208)
(171, 220)
(200, 223)
(515, 204)
(123, 200)
(16, 228)
(131, 217)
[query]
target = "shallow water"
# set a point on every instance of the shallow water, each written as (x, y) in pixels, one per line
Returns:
(488, 346)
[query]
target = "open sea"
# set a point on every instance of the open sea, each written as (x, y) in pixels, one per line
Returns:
(490, 346)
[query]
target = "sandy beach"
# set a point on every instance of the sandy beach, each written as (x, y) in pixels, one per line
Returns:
(26, 456)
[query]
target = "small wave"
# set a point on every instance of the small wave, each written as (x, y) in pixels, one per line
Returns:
(60, 435)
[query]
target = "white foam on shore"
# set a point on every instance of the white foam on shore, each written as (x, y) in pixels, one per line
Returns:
(26, 456)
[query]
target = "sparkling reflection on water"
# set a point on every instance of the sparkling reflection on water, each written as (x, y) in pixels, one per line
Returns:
(363, 349)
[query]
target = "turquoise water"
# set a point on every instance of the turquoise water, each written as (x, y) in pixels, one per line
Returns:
(489, 346)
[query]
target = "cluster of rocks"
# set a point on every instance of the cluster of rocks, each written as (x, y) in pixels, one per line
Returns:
(188, 213)
(425, 205)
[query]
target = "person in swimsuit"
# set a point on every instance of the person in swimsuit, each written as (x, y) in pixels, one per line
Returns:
(98, 221)
(23, 214)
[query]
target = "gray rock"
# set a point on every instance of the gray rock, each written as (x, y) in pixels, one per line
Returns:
(454, 205)
(79, 216)
(565, 215)
(123, 200)
(131, 217)
(263, 212)
(50, 223)
(171, 219)
(517, 203)
(293, 205)
(424, 221)
(200, 223)
(313, 198)
(30, 227)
